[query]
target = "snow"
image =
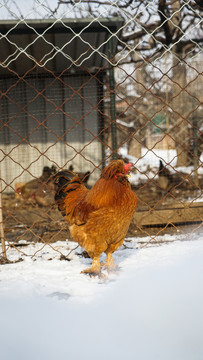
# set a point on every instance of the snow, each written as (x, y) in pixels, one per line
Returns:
(126, 124)
(150, 309)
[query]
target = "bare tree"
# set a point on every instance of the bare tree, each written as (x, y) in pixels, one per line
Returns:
(152, 28)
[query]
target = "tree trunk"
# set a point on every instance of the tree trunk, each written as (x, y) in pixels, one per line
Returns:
(179, 103)
(180, 108)
(134, 147)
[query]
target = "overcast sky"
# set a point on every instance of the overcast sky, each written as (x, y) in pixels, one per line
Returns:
(29, 9)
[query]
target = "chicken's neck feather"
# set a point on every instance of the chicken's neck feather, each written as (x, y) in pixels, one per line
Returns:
(109, 192)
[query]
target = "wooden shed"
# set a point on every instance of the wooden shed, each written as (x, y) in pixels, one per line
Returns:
(51, 89)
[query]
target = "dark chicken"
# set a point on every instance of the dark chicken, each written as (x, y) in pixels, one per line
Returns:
(168, 180)
(99, 218)
(83, 176)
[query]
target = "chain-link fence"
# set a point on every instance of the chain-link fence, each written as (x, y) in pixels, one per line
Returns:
(83, 82)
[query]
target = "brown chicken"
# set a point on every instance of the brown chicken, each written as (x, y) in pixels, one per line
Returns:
(99, 218)
(45, 194)
(28, 190)
(18, 188)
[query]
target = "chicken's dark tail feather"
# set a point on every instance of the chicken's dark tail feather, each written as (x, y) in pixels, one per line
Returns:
(65, 181)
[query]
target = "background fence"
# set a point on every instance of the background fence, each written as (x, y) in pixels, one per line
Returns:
(83, 82)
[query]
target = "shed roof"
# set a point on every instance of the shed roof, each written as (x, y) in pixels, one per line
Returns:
(57, 44)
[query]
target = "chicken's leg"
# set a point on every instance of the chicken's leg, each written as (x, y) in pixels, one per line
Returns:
(95, 268)
(110, 264)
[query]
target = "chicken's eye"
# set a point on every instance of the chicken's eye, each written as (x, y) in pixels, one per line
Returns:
(119, 174)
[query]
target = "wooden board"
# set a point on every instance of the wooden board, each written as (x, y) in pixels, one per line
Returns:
(182, 213)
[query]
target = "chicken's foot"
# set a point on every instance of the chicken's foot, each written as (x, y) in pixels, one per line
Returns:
(95, 269)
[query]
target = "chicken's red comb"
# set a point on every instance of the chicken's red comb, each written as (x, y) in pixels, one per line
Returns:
(127, 167)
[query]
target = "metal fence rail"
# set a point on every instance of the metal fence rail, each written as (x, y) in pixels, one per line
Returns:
(82, 83)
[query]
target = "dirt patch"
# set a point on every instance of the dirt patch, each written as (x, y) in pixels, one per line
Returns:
(28, 221)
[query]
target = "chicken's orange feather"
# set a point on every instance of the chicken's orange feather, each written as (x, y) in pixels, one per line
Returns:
(99, 217)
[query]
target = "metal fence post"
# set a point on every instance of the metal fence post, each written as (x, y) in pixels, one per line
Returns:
(1, 224)
(112, 103)
(101, 118)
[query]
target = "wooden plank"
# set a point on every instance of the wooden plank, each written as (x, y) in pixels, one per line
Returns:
(185, 213)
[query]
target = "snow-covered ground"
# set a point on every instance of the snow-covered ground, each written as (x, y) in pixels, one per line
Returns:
(150, 309)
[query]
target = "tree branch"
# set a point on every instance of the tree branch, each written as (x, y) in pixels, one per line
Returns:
(162, 13)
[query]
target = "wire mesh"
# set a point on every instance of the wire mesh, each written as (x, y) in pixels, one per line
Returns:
(82, 83)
